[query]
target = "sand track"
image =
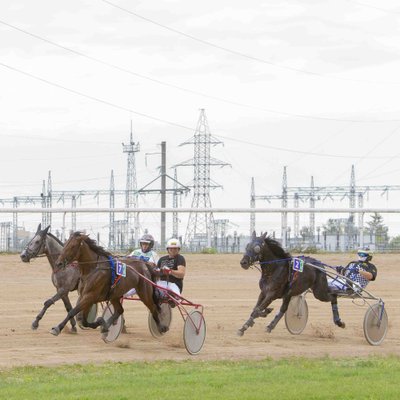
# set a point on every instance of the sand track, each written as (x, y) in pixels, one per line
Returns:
(228, 294)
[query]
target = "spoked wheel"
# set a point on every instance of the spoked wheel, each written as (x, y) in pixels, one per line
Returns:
(375, 324)
(115, 329)
(90, 318)
(194, 332)
(165, 319)
(296, 316)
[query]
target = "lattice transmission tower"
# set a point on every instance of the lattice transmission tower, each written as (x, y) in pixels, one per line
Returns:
(200, 228)
(131, 196)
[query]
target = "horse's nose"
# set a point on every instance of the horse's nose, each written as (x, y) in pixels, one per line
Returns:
(24, 257)
(244, 263)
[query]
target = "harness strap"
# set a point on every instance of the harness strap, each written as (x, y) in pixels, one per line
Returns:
(114, 277)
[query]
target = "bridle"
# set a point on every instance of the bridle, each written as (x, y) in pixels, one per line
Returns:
(35, 254)
(253, 251)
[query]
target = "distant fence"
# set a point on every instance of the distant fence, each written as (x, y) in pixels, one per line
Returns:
(11, 219)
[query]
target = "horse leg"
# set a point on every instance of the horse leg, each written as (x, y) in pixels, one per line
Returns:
(280, 314)
(118, 310)
(260, 310)
(84, 305)
(147, 298)
(57, 329)
(68, 307)
(335, 312)
(47, 304)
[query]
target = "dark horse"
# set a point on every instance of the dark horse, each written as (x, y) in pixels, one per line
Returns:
(278, 280)
(65, 279)
(98, 283)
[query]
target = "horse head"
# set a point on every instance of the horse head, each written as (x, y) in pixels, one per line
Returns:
(72, 249)
(253, 250)
(36, 246)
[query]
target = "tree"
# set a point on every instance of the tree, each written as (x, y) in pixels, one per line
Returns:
(395, 243)
(332, 226)
(378, 230)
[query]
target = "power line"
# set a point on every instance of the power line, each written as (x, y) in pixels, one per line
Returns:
(187, 90)
(297, 151)
(169, 122)
(105, 102)
(240, 54)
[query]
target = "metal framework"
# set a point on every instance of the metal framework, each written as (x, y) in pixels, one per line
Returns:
(200, 227)
(131, 195)
(354, 193)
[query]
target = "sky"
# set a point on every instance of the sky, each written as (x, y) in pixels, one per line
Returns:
(310, 85)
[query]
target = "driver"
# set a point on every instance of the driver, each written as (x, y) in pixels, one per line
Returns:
(361, 271)
(144, 253)
(172, 267)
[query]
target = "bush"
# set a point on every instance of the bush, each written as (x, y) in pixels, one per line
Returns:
(209, 250)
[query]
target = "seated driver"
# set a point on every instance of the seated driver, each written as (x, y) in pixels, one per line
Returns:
(172, 267)
(361, 271)
(145, 253)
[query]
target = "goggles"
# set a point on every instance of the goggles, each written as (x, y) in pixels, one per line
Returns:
(363, 254)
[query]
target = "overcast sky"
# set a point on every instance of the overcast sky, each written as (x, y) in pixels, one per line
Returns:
(311, 85)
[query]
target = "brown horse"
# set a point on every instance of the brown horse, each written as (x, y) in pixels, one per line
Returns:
(101, 283)
(64, 279)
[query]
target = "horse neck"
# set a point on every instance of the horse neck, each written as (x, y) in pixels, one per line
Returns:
(277, 267)
(53, 250)
(89, 259)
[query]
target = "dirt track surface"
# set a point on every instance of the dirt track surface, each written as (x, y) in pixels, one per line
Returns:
(228, 294)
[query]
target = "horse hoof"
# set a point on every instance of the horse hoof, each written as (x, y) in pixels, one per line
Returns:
(34, 325)
(73, 329)
(340, 324)
(55, 331)
(163, 329)
(240, 332)
(268, 329)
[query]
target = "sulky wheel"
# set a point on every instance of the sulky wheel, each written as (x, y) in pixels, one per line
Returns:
(165, 317)
(115, 329)
(296, 315)
(90, 318)
(194, 332)
(375, 324)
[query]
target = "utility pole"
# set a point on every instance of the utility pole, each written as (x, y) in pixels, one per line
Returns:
(178, 188)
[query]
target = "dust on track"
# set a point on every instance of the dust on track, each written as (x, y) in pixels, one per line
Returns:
(228, 294)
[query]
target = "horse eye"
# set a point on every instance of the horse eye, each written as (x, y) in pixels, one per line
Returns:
(257, 248)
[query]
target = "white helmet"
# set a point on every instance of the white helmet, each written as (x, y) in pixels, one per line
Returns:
(365, 254)
(173, 244)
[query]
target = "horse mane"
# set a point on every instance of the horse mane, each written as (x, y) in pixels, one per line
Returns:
(93, 245)
(55, 238)
(276, 248)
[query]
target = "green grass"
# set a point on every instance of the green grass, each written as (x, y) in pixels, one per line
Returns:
(371, 378)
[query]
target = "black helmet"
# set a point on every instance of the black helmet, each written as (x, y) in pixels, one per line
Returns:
(147, 239)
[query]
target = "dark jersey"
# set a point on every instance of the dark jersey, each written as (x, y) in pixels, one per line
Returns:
(351, 272)
(172, 263)
(366, 266)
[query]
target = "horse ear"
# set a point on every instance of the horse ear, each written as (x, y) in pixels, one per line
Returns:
(46, 230)
(264, 235)
(254, 235)
(39, 228)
